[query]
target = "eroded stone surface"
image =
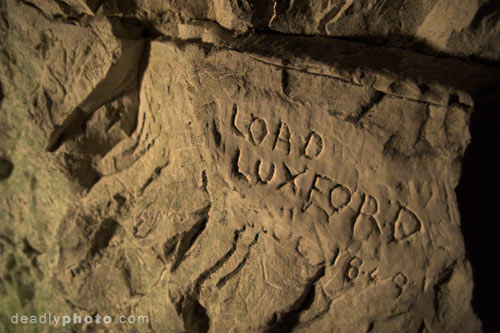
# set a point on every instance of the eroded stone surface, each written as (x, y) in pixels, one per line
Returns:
(155, 161)
(468, 28)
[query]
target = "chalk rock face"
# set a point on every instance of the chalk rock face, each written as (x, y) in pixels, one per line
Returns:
(439, 25)
(159, 159)
(465, 28)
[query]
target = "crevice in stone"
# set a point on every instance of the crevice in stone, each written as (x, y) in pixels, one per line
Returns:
(384, 61)
(216, 134)
(443, 279)
(207, 273)
(1, 94)
(477, 201)
(486, 9)
(32, 5)
(188, 238)
(28, 250)
(285, 82)
(71, 127)
(374, 100)
(423, 327)
(290, 68)
(154, 176)
(6, 168)
(194, 316)
(94, 5)
(108, 90)
(399, 41)
(103, 236)
(170, 245)
(193, 313)
(285, 322)
(223, 280)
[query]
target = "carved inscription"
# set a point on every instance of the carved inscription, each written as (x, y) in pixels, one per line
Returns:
(400, 280)
(282, 142)
(258, 130)
(276, 138)
(263, 175)
(366, 224)
(234, 126)
(272, 152)
(340, 196)
(352, 270)
(314, 145)
(319, 194)
(407, 224)
(290, 177)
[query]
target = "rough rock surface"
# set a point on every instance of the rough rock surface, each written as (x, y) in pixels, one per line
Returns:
(229, 166)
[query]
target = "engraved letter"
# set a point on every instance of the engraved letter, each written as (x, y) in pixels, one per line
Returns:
(282, 141)
(407, 223)
(318, 194)
(352, 270)
(366, 224)
(314, 145)
(264, 177)
(258, 130)
(340, 197)
(233, 121)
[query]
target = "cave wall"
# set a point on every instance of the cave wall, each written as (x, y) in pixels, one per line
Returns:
(242, 166)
